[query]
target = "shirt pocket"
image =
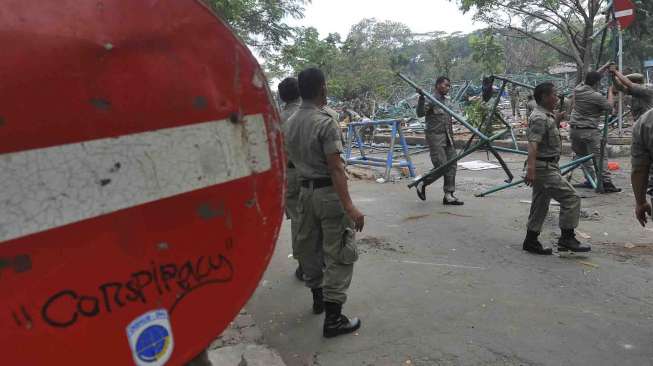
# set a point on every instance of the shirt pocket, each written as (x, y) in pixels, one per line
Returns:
(554, 136)
(437, 121)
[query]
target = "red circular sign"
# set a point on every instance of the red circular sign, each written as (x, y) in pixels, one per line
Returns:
(624, 11)
(141, 171)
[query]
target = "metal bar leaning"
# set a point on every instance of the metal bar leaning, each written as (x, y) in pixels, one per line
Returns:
(564, 169)
(485, 140)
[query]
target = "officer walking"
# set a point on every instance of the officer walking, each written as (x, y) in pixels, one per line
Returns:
(589, 109)
(543, 174)
(439, 136)
(642, 158)
(530, 105)
(514, 101)
(327, 214)
(289, 93)
(641, 101)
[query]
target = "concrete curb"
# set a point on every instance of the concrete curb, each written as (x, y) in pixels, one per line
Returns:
(241, 344)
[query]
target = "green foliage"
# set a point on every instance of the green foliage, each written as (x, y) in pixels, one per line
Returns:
(261, 23)
(638, 39)
(307, 50)
(476, 112)
(487, 52)
(565, 27)
(365, 64)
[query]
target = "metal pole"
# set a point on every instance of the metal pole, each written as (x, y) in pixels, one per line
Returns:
(404, 147)
(502, 78)
(450, 111)
(440, 170)
(391, 152)
(604, 142)
(621, 67)
(563, 170)
(487, 122)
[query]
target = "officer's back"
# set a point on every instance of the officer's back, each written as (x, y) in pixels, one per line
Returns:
(308, 128)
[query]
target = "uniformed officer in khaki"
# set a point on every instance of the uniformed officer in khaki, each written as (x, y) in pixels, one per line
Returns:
(641, 100)
(633, 84)
(543, 174)
(590, 107)
(642, 158)
(326, 213)
(515, 101)
(439, 136)
(530, 105)
(289, 94)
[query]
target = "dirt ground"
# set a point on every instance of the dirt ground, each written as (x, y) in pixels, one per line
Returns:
(442, 285)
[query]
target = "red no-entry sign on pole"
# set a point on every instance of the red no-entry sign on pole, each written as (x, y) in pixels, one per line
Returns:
(141, 180)
(624, 11)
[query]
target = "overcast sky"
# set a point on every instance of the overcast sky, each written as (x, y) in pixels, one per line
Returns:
(419, 15)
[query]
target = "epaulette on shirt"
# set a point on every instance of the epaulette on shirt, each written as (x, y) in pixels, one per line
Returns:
(329, 112)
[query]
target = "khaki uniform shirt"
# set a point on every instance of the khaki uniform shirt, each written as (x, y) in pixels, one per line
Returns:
(530, 107)
(589, 107)
(312, 134)
(543, 129)
(642, 100)
(289, 109)
(642, 145)
(437, 120)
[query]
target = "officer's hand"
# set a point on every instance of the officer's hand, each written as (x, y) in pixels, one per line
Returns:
(612, 68)
(560, 116)
(530, 176)
(641, 212)
(357, 217)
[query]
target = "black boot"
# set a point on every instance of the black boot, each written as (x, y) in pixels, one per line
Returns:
(532, 245)
(450, 199)
(608, 187)
(568, 242)
(335, 323)
(586, 184)
(318, 300)
(421, 191)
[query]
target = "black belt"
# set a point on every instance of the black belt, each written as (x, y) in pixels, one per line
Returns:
(291, 165)
(584, 128)
(317, 183)
(553, 159)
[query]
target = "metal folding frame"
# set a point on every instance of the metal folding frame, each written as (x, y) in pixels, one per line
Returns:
(389, 162)
(564, 169)
(596, 184)
(486, 141)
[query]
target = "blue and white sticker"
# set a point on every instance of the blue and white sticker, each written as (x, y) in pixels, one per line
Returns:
(150, 338)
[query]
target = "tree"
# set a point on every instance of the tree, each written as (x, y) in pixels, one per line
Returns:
(487, 52)
(638, 38)
(306, 50)
(441, 53)
(523, 54)
(565, 26)
(262, 24)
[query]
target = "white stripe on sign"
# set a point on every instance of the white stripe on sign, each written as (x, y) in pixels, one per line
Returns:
(46, 188)
(623, 13)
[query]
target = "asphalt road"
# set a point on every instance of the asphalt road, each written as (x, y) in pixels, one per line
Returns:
(440, 285)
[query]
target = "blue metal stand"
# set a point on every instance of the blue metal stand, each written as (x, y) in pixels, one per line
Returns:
(389, 162)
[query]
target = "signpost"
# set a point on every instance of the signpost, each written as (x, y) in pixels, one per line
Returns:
(141, 171)
(624, 13)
